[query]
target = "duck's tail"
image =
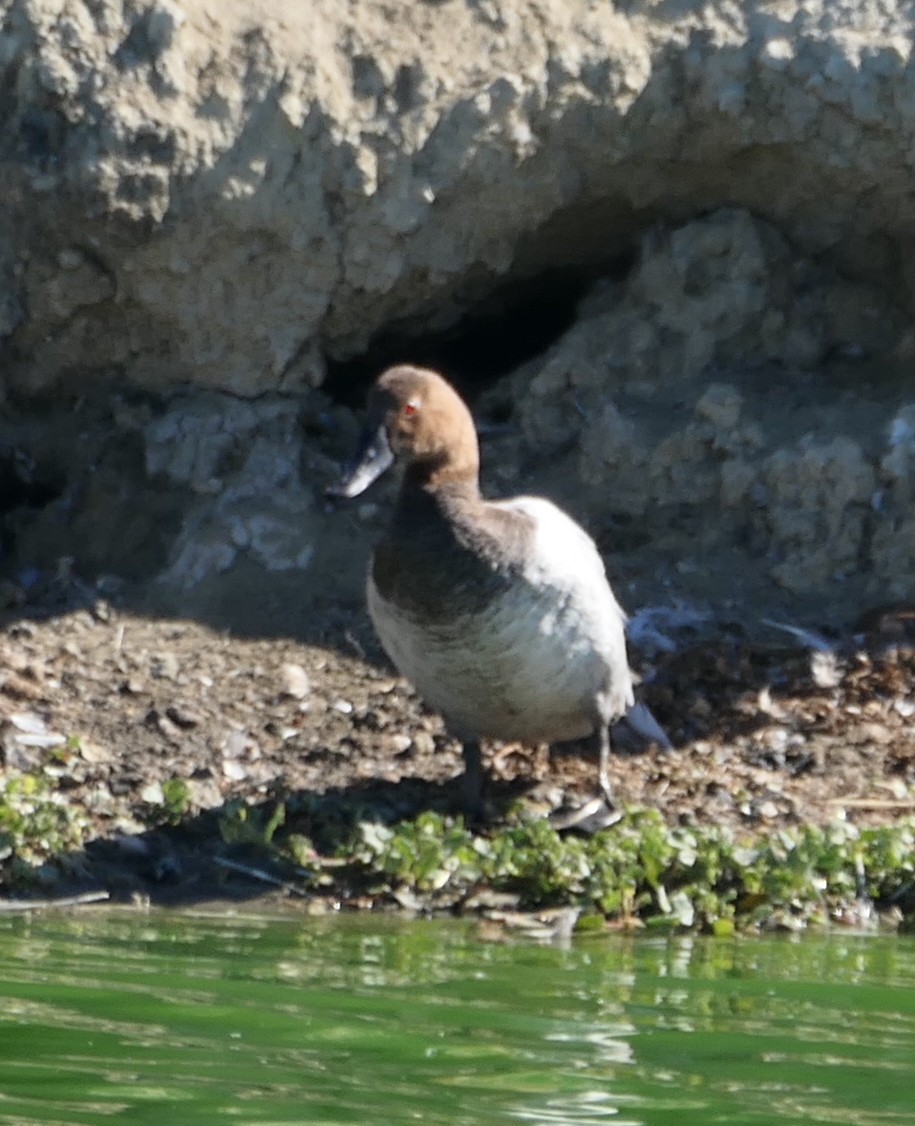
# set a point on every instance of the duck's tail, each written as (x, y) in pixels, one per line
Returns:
(638, 728)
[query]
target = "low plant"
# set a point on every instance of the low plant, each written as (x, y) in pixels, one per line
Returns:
(641, 868)
(37, 823)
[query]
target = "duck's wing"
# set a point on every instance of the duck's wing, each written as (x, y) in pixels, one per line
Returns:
(561, 554)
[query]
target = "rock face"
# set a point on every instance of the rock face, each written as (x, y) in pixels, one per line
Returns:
(777, 447)
(224, 192)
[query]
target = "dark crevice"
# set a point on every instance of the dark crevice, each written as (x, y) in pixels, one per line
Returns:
(22, 485)
(513, 325)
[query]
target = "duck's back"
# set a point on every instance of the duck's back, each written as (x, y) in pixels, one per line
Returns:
(501, 615)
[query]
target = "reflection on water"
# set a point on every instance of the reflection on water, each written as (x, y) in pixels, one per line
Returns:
(196, 1020)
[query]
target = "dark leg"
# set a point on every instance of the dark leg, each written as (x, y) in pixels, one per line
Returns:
(473, 777)
(603, 734)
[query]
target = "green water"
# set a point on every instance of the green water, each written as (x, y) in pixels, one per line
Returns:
(183, 1020)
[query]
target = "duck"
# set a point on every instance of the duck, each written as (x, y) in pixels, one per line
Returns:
(499, 612)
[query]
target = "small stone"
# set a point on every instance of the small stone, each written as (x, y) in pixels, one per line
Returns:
(233, 770)
(93, 752)
(825, 670)
(344, 707)
(19, 758)
(28, 722)
(183, 717)
(165, 666)
(46, 739)
(423, 743)
(204, 793)
(769, 810)
(100, 800)
(235, 744)
(870, 733)
(398, 744)
(167, 727)
(152, 794)
(296, 682)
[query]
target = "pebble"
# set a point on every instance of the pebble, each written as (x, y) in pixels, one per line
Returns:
(235, 744)
(423, 743)
(775, 738)
(100, 800)
(93, 752)
(343, 706)
(769, 810)
(166, 726)
(28, 722)
(165, 666)
(205, 794)
(233, 770)
(45, 739)
(152, 794)
(296, 682)
(183, 717)
(825, 670)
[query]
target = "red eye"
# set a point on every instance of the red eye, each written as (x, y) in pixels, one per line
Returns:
(410, 409)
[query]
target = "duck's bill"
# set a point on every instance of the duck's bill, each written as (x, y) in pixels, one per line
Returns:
(373, 457)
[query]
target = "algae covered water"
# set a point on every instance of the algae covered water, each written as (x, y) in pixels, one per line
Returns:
(186, 1019)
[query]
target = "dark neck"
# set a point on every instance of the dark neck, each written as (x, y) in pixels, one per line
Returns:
(442, 477)
(428, 500)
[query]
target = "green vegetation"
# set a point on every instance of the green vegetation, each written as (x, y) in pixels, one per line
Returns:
(240, 823)
(37, 823)
(640, 872)
(176, 799)
(651, 874)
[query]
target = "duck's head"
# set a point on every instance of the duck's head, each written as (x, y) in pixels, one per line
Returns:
(415, 417)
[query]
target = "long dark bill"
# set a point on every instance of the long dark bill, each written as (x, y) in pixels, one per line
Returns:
(373, 457)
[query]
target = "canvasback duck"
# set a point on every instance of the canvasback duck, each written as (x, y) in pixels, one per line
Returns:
(499, 612)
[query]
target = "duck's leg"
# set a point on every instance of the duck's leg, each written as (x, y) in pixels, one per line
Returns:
(473, 777)
(603, 734)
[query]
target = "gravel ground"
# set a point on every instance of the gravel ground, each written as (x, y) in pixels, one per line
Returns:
(114, 704)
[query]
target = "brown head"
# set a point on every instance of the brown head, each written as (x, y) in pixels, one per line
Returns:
(415, 417)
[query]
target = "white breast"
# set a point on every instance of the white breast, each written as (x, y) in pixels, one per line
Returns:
(543, 662)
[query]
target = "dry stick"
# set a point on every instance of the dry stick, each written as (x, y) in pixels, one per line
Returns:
(13, 906)
(257, 874)
(872, 803)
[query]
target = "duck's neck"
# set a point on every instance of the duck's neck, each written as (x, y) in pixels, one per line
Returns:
(446, 478)
(428, 501)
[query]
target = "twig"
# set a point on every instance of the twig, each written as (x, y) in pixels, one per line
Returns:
(807, 637)
(257, 874)
(353, 641)
(13, 906)
(872, 803)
